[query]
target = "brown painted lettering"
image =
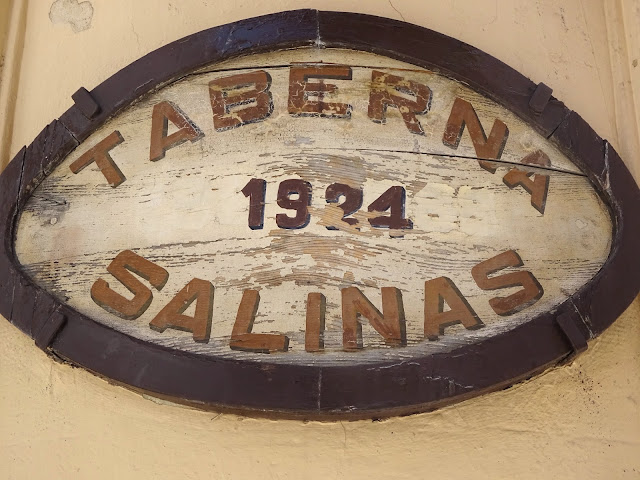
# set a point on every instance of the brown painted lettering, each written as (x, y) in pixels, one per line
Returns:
(302, 190)
(256, 190)
(171, 316)
(352, 201)
(160, 141)
(538, 186)
(314, 333)
(409, 97)
(390, 324)
(100, 154)
(300, 90)
(531, 289)
(463, 114)
(241, 336)
(121, 268)
(240, 99)
(393, 200)
(436, 293)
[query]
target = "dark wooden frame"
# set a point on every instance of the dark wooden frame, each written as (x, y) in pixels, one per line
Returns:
(335, 391)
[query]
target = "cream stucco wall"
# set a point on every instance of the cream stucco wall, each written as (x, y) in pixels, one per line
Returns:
(577, 421)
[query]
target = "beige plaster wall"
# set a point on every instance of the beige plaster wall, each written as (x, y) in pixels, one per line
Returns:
(578, 421)
(4, 26)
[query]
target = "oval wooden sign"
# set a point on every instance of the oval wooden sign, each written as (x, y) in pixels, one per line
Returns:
(315, 214)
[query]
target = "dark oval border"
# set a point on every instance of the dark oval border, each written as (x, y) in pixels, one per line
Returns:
(362, 391)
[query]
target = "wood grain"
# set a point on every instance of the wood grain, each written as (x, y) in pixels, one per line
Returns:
(187, 214)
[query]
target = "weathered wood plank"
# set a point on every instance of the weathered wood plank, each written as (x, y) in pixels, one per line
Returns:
(458, 215)
(522, 139)
(187, 211)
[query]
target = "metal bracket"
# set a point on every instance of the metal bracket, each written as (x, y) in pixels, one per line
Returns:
(570, 326)
(49, 330)
(86, 103)
(540, 98)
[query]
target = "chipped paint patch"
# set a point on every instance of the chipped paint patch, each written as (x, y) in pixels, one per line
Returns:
(78, 15)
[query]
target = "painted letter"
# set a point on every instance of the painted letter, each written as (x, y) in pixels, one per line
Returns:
(121, 268)
(314, 333)
(538, 187)
(233, 92)
(241, 336)
(531, 289)
(100, 154)
(436, 293)
(300, 91)
(200, 291)
(463, 113)
(387, 91)
(160, 141)
(391, 324)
